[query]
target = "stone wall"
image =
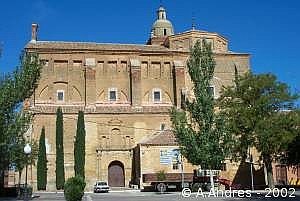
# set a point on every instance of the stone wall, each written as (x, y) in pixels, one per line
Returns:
(86, 72)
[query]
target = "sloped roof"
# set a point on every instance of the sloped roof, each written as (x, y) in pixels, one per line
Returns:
(165, 137)
(93, 46)
(62, 45)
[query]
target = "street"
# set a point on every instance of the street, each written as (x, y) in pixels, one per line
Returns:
(148, 196)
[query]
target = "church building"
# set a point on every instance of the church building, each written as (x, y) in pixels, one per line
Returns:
(125, 91)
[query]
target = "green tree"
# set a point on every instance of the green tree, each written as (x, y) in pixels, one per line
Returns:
(292, 155)
(42, 163)
(200, 131)
(255, 109)
(79, 146)
(18, 159)
(14, 89)
(60, 170)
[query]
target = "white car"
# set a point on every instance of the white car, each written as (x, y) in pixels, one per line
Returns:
(101, 186)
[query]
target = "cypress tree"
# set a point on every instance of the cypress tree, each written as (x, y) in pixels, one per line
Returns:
(42, 163)
(60, 170)
(79, 146)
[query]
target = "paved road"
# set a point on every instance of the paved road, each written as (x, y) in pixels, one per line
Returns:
(146, 196)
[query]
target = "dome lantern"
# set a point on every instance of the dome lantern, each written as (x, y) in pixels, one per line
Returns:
(162, 27)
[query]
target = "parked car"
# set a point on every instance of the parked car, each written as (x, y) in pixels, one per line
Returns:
(101, 186)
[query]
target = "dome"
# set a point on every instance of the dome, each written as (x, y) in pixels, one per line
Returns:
(162, 26)
(161, 9)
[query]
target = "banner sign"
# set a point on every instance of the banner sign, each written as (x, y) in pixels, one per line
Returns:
(167, 156)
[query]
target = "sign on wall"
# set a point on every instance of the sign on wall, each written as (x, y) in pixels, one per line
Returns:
(168, 155)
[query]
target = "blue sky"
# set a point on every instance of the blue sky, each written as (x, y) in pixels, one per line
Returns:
(267, 29)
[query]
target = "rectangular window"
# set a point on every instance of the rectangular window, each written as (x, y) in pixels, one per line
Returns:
(175, 166)
(211, 90)
(165, 32)
(162, 127)
(60, 95)
(112, 95)
(156, 95)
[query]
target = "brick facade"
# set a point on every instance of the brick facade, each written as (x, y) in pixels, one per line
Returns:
(146, 80)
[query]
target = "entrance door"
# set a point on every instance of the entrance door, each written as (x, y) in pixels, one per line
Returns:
(116, 177)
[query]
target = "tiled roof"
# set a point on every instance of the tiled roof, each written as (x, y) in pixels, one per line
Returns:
(165, 137)
(94, 46)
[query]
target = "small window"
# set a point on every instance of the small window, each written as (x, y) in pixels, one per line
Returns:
(175, 166)
(162, 127)
(211, 90)
(60, 95)
(112, 94)
(156, 95)
(165, 32)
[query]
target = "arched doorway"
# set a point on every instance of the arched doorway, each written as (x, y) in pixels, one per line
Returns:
(116, 176)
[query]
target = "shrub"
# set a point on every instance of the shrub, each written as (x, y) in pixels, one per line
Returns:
(74, 188)
(161, 176)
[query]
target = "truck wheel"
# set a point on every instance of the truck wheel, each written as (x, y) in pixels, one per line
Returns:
(161, 187)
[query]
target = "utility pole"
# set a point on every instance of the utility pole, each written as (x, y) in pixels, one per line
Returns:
(179, 159)
(250, 161)
(98, 166)
(182, 172)
(251, 171)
